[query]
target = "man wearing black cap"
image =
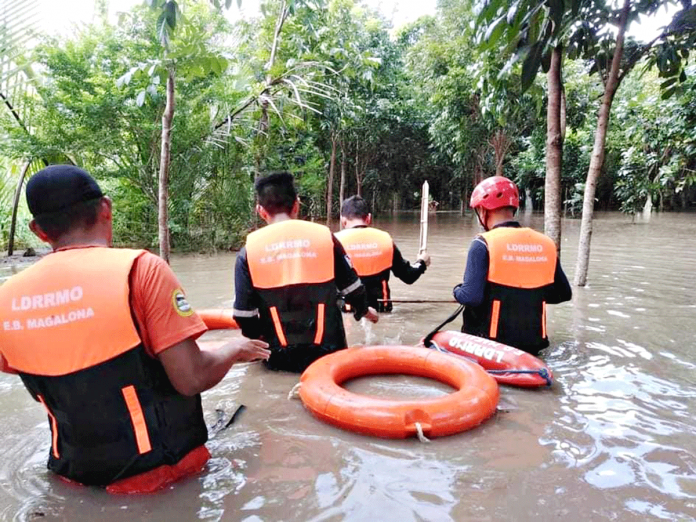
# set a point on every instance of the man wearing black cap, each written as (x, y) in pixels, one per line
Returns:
(104, 339)
(288, 279)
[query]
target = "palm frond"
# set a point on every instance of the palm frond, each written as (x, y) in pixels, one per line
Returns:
(18, 19)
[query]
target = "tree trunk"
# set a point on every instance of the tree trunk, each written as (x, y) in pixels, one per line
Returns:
(500, 142)
(564, 107)
(647, 208)
(15, 207)
(554, 151)
(597, 159)
(358, 178)
(342, 189)
(165, 158)
(528, 201)
(329, 192)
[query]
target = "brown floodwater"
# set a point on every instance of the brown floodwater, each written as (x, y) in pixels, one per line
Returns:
(613, 439)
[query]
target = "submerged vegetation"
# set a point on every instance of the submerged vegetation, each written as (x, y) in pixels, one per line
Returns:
(329, 91)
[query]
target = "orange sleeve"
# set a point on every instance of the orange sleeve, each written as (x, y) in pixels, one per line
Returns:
(163, 314)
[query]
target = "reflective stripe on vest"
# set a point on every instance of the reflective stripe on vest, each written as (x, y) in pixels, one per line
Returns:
(142, 436)
(54, 428)
(495, 319)
(370, 250)
(543, 320)
(69, 311)
(520, 257)
(290, 253)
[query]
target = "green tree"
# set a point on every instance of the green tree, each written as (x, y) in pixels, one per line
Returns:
(612, 57)
(190, 57)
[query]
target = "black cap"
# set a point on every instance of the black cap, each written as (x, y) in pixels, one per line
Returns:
(59, 187)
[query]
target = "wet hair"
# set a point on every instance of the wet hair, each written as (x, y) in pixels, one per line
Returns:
(276, 193)
(355, 207)
(82, 215)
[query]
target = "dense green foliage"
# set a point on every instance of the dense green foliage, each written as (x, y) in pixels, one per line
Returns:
(395, 106)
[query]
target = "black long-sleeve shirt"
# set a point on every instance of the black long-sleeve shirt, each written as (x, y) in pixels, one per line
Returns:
(377, 285)
(247, 300)
(404, 270)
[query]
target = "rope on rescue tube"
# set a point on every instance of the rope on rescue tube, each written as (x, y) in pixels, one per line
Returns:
(420, 434)
(295, 392)
(541, 372)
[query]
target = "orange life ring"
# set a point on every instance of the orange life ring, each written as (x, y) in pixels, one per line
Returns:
(218, 319)
(474, 401)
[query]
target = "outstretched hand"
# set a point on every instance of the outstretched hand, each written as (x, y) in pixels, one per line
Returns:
(248, 350)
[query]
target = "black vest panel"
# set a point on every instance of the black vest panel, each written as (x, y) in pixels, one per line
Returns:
(96, 439)
(520, 320)
(375, 287)
(297, 307)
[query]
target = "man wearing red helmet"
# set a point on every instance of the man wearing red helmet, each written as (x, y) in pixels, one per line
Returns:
(512, 273)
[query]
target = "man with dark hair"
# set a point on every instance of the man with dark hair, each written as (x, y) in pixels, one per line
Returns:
(374, 254)
(512, 273)
(105, 340)
(288, 279)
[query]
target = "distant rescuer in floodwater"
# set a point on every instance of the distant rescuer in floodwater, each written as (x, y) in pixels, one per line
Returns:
(374, 254)
(288, 279)
(104, 339)
(512, 273)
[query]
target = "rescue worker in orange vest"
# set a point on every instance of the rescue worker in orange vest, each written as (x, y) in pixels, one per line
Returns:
(374, 254)
(104, 339)
(512, 273)
(288, 279)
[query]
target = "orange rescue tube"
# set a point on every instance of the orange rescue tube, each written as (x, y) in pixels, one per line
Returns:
(506, 364)
(218, 319)
(474, 400)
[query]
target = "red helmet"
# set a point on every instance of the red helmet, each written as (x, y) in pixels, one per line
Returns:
(495, 192)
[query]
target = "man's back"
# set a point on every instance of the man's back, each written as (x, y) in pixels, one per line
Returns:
(112, 409)
(375, 256)
(292, 275)
(512, 274)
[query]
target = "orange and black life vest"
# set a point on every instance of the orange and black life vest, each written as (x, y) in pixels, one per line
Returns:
(522, 263)
(67, 329)
(291, 265)
(372, 252)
